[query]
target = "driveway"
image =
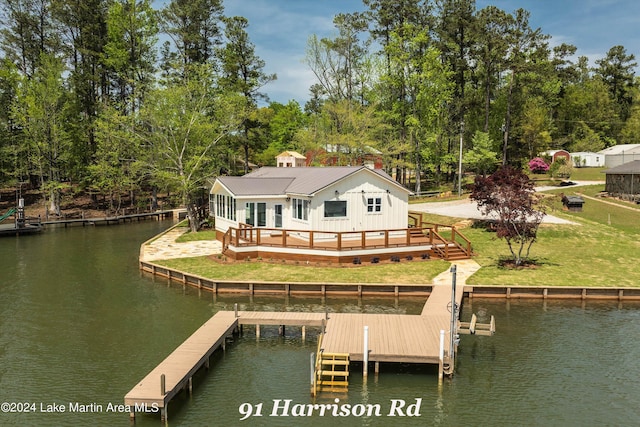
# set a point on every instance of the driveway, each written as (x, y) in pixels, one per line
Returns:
(469, 210)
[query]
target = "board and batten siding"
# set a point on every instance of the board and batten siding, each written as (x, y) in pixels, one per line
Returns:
(355, 190)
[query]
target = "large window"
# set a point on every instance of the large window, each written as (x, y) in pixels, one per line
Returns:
(335, 209)
(226, 207)
(300, 209)
(374, 204)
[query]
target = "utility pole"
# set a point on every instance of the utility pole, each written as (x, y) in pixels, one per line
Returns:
(460, 161)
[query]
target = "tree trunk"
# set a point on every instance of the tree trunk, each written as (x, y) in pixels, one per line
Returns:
(192, 216)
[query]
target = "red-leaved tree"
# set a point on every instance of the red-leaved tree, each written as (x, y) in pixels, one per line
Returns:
(508, 197)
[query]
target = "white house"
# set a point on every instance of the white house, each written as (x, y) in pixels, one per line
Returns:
(333, 199)
(291, 159)
(586, 159)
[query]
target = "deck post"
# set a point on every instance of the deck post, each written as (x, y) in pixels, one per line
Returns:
(365, 353)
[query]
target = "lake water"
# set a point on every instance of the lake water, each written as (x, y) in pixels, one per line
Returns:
(80, 326)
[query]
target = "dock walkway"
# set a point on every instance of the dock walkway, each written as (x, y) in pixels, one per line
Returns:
(180, 366)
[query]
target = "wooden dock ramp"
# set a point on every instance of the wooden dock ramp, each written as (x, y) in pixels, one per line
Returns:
(175, 373)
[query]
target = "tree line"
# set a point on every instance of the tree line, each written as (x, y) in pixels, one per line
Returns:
(122, 98)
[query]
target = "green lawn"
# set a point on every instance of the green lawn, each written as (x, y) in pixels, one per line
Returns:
(602, 249)
(416, 271)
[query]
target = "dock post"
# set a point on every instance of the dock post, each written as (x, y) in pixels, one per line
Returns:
(313, 374)
(365, 353)
(441, 357)
(281, 330)
(162, 385)
(257, 331)
(454, 269)
(190, 386)
(235, 308)
(304, 330)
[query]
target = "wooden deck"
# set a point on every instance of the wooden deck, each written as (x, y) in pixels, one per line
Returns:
(345, 246)
(395, 338)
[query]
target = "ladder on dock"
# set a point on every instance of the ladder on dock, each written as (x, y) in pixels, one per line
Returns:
(332, 372)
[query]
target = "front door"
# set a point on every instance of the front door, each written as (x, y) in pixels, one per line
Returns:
(278, 217)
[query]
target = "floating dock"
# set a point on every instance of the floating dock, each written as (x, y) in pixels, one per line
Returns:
(392, 338)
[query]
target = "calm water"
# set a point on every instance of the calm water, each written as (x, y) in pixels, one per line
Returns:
(79, 324)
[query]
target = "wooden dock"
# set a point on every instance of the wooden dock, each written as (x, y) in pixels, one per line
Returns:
(108, 220)
(393, 338)
(175, 373)
(13, 230)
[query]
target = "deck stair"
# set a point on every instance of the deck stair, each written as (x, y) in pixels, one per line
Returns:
(332, 372)
(475, 328)
(455, 252)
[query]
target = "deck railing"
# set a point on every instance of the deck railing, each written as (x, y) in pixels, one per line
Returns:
(416, 219)
(246, 235)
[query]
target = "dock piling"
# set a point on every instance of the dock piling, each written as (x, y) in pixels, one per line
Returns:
(365, 353)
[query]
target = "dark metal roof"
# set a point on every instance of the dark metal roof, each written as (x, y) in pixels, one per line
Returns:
(303, 180)
(625, 168)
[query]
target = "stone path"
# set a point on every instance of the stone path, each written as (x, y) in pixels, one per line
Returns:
(165, 247)
(465, 268)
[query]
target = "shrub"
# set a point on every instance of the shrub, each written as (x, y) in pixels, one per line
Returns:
(537, 165)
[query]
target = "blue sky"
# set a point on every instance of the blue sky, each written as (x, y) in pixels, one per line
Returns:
(280, 29)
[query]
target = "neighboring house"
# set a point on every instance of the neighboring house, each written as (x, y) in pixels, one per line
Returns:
(623, 180)
(290, 159)
(331, 199)
(620, 154)
(586, 159)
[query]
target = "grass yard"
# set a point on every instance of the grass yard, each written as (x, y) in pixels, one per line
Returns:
(413, 272)
(602, 249)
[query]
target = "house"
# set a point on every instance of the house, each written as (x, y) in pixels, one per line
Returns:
(620, 154)
(624, 180)
(290, 159)
(586, 159)
(325, 214)
(333, 199)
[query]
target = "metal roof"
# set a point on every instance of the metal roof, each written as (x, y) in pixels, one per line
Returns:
(242, 186)
(620, 148)
(625, 168)
(307, 180)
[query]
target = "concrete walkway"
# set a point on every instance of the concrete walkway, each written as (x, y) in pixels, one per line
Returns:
(165, 247)
(465, 268)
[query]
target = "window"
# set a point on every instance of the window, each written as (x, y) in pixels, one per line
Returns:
(300, 209)
(225, 207)
(374, 204)
(335, 209)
